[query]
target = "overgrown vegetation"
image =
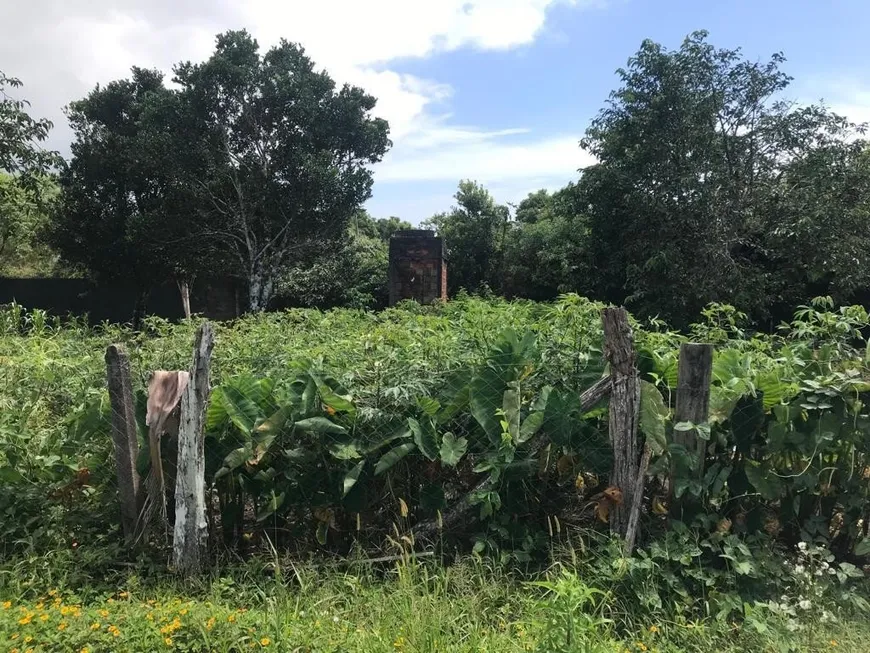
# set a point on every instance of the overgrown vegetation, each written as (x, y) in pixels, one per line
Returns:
(341, 431)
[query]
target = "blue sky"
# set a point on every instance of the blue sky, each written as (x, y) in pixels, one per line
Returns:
(499, 91)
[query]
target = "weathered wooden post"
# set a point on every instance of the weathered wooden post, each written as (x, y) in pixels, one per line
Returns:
(191, 529)
(692, 405)
(624, 412)
(124, 436)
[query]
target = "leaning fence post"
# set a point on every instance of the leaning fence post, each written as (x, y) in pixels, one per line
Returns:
(693, 403)
(191, 529)
(124, 436)
(624, 411)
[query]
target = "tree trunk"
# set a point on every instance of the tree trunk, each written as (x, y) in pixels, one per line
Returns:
(139, 309)
(624, 412)
(184, 289)
(191, 528)
(124, 437)
(261, 288)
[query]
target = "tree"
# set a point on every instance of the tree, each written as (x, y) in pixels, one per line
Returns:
(281, 156)
(355, 274)
(23, 217)
(20, 136)
(126, 212)
(688, 151)
(27, 188)
(474, 232)
(545, 251)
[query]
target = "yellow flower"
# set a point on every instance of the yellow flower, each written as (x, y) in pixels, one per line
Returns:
(28, 639)
(7, 605)
(85, 650)
(61, 625)
(641, 646)
(400, 642)
(104, 613)
(149, 617)
(654, 629)
(231, 618)
(26, 619)
(182, 612)
(40, 605)
(43, 617)
(123, 595)
(168, 641)
(52, 592)
(14, 637)
(210, 623)
(265, 641)
(114, 630)
(95, 626)
(15, 650)
(833, 642)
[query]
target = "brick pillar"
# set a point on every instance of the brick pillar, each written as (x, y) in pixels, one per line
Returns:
(417, 267)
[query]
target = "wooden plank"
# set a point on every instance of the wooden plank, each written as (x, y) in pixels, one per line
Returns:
(624, 412)
(693, 396)
(124, 437)
(191, 529)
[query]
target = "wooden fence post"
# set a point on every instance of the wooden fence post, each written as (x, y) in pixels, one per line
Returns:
(693, 403)
(624, 412)
(124, 436)
(191, 529)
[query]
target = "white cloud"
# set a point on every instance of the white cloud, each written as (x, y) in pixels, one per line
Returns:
(62, 48)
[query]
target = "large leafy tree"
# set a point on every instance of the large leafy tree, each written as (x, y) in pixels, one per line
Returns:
(688, 149)
(474, 232)
(282, 155)
(126, 211)
(26, 186)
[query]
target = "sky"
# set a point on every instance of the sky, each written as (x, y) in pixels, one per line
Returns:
(498, 91)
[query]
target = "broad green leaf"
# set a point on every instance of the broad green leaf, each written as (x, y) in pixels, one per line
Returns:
(402, 432)
(511, 408)
(274, 502)
(765, 482)
(653, 414)
(266, 432)
(425, 437)
(863, 547)
(338, 403)
(322, 530)
(531, 425)
(352, 477)
(242, 410)
(320, 425)
(10, 475)
(393, 456)
(452, 449)
(237, 457)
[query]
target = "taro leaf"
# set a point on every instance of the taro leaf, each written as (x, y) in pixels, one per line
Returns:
(454, 397)
(10, 475)
(339, 403)
(242, 410)
(425, 438)
(275, 502)
(775, 390)
(653, 414)
(531, 425)
(486, 395)
(722, 403)
(766, 483)
(352, 477)
(403, 431)
(320, 425)
(863, 547)
(216, 414)
(393, 456)
(452, 449)
(511, 408)
(432, 497)
(237, 457)
(265, 433)
(747, 420)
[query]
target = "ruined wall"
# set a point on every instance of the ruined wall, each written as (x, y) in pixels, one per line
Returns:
(417, 267)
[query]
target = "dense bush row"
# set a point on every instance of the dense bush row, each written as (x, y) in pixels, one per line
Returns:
(330, 429)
